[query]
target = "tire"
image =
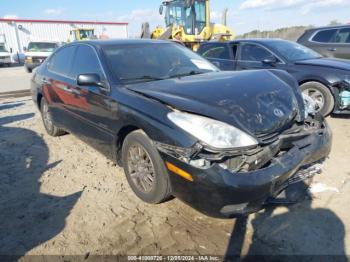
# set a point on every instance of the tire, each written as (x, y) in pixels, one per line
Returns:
(321, 95)
(158, 190)
(29, 70)
(50, 128)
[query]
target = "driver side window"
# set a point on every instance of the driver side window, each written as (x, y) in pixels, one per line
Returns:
(254, 53)
(86, 62)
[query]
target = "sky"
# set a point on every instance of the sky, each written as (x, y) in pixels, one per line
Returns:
(243, 16)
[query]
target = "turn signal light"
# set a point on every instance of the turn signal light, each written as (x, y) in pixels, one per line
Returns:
(179, 171)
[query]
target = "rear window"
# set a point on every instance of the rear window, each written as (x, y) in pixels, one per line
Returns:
(343, 36)
(324, 36)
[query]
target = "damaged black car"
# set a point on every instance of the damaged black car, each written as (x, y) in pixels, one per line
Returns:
(226, 143)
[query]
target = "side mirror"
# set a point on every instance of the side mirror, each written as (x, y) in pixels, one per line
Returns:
(90, 80)
(161, 9)
(270, 61)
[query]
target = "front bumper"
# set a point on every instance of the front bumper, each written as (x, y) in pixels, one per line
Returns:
(219, 192)
(32, 65)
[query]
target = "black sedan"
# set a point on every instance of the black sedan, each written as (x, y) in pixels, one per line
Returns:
(326, 80)
(227, 143)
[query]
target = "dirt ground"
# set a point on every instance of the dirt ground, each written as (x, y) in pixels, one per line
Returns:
(58, 196)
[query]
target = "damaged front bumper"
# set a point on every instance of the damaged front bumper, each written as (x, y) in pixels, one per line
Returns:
(219, 189)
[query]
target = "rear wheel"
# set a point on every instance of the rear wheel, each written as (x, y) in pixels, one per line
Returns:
(321, 95)
(144, 168)
(51, 129)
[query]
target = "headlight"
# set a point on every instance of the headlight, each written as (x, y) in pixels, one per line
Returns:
(310, 105)
(212, 132)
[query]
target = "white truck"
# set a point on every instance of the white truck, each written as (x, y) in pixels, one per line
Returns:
(37, 52)
(5, 56)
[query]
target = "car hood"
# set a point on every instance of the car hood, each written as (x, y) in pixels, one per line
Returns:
(257, 102)
(327, 62)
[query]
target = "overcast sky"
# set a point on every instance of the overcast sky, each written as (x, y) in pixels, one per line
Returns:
(243, 16)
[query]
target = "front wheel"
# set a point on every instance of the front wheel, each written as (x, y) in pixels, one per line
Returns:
(144, 168)
(321, 95)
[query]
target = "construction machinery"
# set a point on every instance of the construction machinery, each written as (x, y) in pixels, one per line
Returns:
(188, 21)
(80, 34)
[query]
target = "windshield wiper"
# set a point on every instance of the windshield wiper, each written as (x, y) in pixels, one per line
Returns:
(145, 77)
(191, 73)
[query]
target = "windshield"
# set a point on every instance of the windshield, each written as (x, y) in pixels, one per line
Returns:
(151, 62)
(293, 51)
(192, 18)
(41, 47)
(2, 48)
(86, 33)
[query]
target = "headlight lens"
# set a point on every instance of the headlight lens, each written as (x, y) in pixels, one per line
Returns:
(212, 132)
(310, 105)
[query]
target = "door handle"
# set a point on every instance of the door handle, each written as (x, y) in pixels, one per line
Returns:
(46, 82)
(67, 89)
(332, 49)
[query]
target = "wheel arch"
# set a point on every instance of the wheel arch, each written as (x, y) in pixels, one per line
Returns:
(120, 137)
(39, 97)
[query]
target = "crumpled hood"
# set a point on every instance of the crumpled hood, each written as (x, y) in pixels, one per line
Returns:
(256, 101)
(342, 64)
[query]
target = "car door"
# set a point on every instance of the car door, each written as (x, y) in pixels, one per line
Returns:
(220, 54)
(341, 45)
(322, 41)
(254, 56)
(93, 104)
(57, 85)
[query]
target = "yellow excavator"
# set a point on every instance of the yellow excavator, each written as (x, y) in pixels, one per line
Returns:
(80, 34)
(188, 21)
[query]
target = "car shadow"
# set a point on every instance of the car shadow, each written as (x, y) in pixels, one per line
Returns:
(28, 217)
(300, 233)
(9, 119)
(10, 106)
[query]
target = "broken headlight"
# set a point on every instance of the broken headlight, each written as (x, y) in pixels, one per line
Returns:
(212, 132)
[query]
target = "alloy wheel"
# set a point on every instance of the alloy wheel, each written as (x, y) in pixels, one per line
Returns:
(141, 168)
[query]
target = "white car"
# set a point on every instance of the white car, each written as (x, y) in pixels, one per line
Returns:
(5, 56)
(37, 52)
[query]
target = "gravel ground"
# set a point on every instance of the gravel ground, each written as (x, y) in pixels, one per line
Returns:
(58, 196)
(14, 78)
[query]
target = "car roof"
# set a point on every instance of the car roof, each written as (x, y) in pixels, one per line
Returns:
(329, 27)
(111, 42)
(251, 40)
